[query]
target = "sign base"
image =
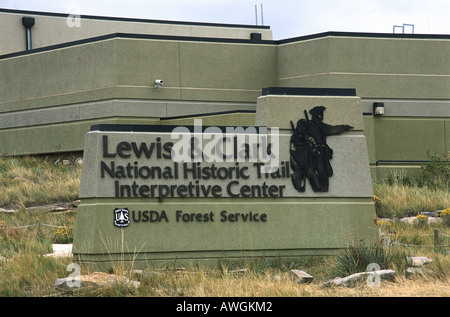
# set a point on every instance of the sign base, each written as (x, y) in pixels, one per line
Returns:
(141, 205)
(182, 232)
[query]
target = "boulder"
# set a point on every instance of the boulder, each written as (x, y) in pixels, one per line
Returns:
(409, 220)
(431, 220)
(93, 280)
(434, 220)
(300, 277)
(418, 260)
(351, 280)
(431, 213)
(238, 271)
(413, 272)
(337, 281)
(79, 161)
(53, 207)
(61, 250)
(7, 210)
(75, 203)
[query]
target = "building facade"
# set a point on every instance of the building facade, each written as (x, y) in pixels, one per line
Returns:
(59, 76)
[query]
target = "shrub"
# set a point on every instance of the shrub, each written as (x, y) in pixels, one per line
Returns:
(384, 225)
(436, 172)
(421, 220)
(445, 215)
(63, 235)
(378, 204)
(358, 256)
(402, 195)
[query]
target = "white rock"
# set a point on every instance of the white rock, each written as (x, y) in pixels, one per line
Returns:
(61, 250)
(93, 280)
(349, 281)
(418, 260)
(337, 281)
(407, 219)
(7, 210)
(75, 203)
(411, 220)
(434, 220)
(300, 277)
(79, 161)
(412, 272)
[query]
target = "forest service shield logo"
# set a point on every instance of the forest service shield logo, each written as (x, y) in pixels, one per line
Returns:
(121, 217)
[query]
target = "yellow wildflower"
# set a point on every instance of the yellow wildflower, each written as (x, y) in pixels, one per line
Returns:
(62, 231)
(376, 199)
(383, 223)
(422, 218)
(445, 213)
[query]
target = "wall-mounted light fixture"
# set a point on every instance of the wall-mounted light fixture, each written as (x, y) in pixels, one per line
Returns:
(28, 23)
(158, 83)
(378, 108)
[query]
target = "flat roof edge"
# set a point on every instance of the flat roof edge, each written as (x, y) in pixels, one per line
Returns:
(139, 20)
(362, 34)
(302, 91)
(137, 36)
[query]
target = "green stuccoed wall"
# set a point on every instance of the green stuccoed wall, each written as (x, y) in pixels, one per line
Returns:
(377, 67)
(49, 105)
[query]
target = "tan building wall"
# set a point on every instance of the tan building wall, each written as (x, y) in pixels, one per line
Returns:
(50, 97)
(53, 28)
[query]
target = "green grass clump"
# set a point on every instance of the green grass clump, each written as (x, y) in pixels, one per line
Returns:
(358, 256)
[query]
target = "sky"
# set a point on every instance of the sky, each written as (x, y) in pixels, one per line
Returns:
(286, 18)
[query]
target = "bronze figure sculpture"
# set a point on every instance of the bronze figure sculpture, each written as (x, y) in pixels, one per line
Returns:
(310, 153)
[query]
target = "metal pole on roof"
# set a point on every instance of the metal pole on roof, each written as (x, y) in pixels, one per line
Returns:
(262, 15)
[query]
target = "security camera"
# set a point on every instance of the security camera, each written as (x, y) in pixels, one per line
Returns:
(378, 108)
(158, 83)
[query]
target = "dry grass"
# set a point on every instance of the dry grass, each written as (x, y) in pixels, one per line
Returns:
(271, 282)
(398, 200)
(283, 286)
(31, 181)
(25, 272)
(270, 287)
(401, 194)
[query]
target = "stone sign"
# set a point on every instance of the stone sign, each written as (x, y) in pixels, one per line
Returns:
(152, 194)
